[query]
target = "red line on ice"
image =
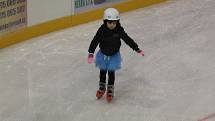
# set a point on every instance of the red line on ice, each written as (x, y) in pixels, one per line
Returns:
(208, 117)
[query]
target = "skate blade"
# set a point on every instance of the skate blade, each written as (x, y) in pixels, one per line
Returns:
(109, 99)
(99, 95)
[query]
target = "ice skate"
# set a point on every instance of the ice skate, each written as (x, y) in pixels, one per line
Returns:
(101, 90)
(110, 93)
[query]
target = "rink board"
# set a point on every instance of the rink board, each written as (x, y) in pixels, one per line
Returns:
(68, 21)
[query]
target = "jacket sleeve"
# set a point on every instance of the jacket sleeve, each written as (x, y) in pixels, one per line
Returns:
(128, 40)
(96, 40)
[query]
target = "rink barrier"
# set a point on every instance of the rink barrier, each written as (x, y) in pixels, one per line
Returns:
(69, 21)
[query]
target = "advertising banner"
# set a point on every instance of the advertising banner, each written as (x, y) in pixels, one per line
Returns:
(13, 15)
(85, 5)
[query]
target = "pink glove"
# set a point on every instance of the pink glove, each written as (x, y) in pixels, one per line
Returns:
(140, 52)
(90, 58)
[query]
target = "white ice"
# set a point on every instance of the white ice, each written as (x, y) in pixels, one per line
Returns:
(48, 78)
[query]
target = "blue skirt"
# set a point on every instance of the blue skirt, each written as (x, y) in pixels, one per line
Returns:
(111, 63)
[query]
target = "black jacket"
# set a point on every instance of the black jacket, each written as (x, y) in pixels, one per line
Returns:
(109, 40)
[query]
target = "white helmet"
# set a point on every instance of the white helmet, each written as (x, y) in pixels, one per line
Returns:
(111, 14)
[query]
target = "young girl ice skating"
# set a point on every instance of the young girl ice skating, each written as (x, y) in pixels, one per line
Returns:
(108, 58)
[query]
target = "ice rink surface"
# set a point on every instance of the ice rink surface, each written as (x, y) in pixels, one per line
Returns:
(48, 78)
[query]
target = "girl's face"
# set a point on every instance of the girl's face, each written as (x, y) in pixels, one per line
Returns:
(111, 24)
